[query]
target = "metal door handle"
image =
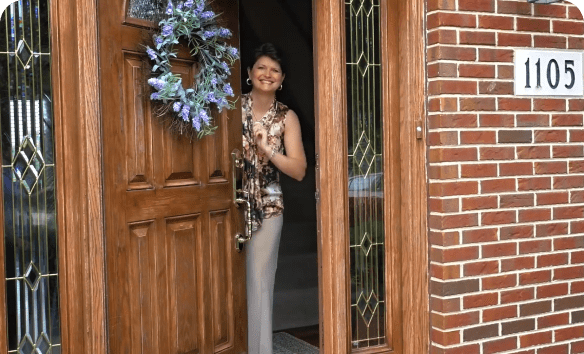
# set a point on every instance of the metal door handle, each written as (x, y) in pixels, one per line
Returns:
(241, 197)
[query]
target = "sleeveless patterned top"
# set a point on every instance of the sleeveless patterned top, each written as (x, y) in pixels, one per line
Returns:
(261, 177)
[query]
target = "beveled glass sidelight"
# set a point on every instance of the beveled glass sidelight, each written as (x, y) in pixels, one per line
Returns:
(149, 10)
(365, 154)
(28, 185)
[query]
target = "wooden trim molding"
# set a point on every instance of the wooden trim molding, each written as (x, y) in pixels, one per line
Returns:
(79, 182)
(404, 95)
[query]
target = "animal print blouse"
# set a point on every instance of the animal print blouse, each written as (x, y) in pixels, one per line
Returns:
(261, 177)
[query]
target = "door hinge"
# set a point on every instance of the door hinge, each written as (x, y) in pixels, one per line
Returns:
(419, 129)
(317, 195)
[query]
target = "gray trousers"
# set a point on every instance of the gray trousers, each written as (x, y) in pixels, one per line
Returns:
(261, 262)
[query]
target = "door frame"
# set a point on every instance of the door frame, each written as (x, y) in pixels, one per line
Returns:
(404, 96)
(79, 180)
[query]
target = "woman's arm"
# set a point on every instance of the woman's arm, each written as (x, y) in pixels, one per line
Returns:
(294, 162)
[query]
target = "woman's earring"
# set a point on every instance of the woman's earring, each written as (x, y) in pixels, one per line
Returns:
(248, 81)
(280, 87)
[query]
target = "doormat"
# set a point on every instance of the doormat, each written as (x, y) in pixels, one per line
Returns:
(285, 343)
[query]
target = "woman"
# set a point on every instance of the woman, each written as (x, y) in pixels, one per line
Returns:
(272, 142)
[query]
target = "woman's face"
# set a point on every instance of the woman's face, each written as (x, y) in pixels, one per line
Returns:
(266, 74)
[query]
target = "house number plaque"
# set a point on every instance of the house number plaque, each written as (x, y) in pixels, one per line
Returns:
(548, 73)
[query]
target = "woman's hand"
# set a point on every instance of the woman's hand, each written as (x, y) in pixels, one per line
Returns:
(261, 140)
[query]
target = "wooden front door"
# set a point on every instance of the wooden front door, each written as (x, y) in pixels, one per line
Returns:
(175, 283)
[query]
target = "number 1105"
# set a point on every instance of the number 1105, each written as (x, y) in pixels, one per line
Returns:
(553, 81)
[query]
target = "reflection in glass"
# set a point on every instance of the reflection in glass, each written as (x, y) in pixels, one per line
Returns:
(365, 154)
(149, 10)
(28, 188)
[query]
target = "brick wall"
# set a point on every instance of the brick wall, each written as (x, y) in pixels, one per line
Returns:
(506, 184)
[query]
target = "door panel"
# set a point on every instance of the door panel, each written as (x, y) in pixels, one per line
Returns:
(174, 281)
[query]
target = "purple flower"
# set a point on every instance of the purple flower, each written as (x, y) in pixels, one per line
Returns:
(200, 7)
(176, 86)
(155, 96)
(197, 123)
(189, 3)
(233, 51)
(179, 6)
(185, 112)
(176, 106)
(167, 30)
(203, 115)
(224, 103)
(225, 33)
(207, 14)
(211, 97)
(228, 90)
(156, 83)
(158, 40)
(151, 53)
(208, 34)
(225, 67)
(214, 81)
(169, 8)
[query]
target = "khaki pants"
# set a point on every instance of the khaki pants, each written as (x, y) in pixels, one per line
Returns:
(261, 261)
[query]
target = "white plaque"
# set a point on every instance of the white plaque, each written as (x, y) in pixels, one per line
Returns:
(549, 73)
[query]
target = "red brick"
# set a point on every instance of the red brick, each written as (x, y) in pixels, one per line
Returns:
(576, 135)
(514, 104)
(498, 217)
(577, 287)
(444, 272)
(452, 154)
(476, 5)
(567, 151)
(476, 70)
(445, 305)
(496, 22)
(568, 212)
(439, 19)
(577, 227)
(496, 88)
(554, 259)
(490, 315)
(533, 25)
(533, 183)
(480, 300)
(506, 72)
(549, 104)
(478, 203)
(497, 120)
(442, 70)
(513, 8)
(453, 188)
(481, 268)
(552, 290)
(551, 229)
(576, 104)
(452, 121)
(441, 205)
(544, 136)
(500, 249)
(499, 282)
(574, 13)
(443, 172)
(477, 104)
(478, 170)
(497, 153)
(451, 53)
(552, 167)
(516, 169)
(442, 36)
(516, 200)
(476, 37)
(518, 295)
(459, 254)
(569, 333)
(576, 166)
(513, 39)
(550, 11)
(533, 152)
(498, 185)
(442, 138)
(535, 246)
(567, 120)
(535, 277)
(520, 263)
(533, 339)
(444, 238)
(433, 5)
(451, 321)
(568, 182)
(569, 273)
(569, 27)
(553, 320)
(452, 87)
(530, 215)
(453, 221)
(575, 43)
(533, 120)
(550, 42)
(516, 232)
(465, 349)
(444, 338)
(479, 235)
(552, 198)
(556, 349)
(495, 55)
(577, 257)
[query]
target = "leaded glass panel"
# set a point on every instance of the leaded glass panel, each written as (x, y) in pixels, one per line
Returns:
(365, 154)
(28, 186)
(149, 10)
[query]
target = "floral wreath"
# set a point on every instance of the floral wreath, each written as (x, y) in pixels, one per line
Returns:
(193, 20)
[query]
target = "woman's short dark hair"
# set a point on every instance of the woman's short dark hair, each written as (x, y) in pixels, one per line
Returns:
(270, 51)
